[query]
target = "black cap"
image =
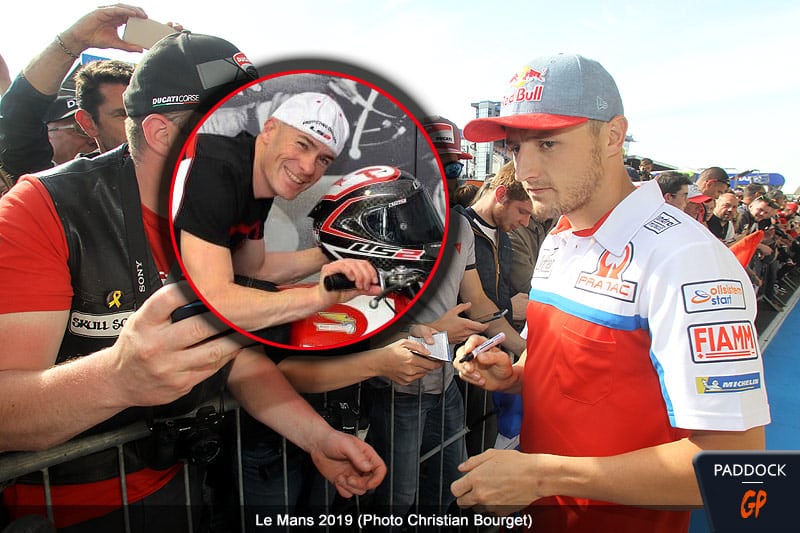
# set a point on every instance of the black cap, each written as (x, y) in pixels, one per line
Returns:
(186, 71)
(63, 106)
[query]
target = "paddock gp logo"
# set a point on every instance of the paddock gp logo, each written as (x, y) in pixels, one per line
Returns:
(715, 295)
(607, 279)
(544, 265)
(749, 491)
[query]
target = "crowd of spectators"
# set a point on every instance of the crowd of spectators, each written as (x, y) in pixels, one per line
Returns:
(55, 114)
(494, 244)
(732, 214)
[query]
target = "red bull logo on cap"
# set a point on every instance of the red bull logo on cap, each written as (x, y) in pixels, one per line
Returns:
(527, 74)
(519, 93)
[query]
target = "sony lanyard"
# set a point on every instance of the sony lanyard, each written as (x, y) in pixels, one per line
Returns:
(140, 258)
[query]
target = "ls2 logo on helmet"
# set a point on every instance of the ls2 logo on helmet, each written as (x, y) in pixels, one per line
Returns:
(375, 250)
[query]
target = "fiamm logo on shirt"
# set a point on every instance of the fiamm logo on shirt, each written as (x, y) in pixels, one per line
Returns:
(724, 341)
(723, 294)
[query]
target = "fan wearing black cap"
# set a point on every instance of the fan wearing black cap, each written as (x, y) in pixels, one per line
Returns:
(614, 403)
(42, 122)
(89, 342)
(65, 134)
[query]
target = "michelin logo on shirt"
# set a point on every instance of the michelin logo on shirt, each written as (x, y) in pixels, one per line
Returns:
(718, 295)
(723, 384)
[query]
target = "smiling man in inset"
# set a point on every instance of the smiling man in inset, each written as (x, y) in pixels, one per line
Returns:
(228, 194)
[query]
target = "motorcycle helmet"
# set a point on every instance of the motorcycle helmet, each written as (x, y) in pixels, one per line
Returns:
(381, 214)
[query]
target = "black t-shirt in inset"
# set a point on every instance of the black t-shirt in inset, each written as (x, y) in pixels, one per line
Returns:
(218, 204)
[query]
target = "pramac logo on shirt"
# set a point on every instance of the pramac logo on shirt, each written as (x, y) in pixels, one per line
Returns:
(607, 279)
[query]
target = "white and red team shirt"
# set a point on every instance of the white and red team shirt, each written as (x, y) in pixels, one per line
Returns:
(640, 330)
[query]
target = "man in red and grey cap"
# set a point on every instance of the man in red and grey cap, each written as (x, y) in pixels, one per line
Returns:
(446, 138)
(618, 283)
(695, 203)
(86, 251)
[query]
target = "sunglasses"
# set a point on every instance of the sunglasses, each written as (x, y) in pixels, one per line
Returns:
(453, 170)
(74, 128)
(769, 201)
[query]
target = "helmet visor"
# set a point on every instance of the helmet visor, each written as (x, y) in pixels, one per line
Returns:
(408, 221)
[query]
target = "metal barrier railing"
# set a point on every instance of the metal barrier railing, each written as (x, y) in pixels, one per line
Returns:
(16, 464)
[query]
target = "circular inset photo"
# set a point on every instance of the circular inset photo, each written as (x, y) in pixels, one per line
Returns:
(308, 209)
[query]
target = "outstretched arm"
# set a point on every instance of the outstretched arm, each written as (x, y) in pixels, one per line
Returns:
(346, 461)
(97, 29)
(23, 132)
(650, 477)
(211, 268)
(152, 363)
(396, 361)
(471, 290)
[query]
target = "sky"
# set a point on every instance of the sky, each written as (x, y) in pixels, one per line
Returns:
(704, 83)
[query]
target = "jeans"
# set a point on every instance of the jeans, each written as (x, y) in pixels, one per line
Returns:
(268, 493)
(421, 423)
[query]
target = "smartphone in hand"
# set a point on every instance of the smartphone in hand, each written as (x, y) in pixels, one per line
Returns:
(489, 318)
(145, 32)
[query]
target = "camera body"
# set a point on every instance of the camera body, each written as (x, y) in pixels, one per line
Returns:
(341, 415)
(196, 439)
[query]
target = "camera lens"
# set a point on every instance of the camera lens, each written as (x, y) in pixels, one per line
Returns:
(204, 449)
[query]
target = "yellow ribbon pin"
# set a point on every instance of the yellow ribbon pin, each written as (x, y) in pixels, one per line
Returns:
(114, 299)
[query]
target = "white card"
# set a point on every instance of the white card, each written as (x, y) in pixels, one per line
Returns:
(440, 349)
